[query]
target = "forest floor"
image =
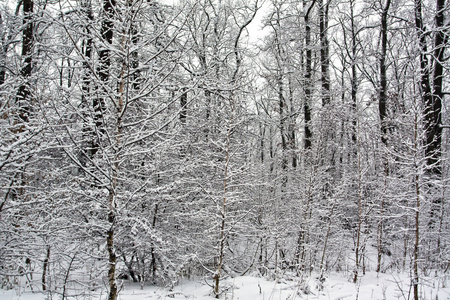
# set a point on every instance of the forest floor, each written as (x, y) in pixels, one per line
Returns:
(337, 286)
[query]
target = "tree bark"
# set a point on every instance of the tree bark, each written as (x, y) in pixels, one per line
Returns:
(223, 214)
(86, 49)
(383, 77)
(183, 105)
(358, 233)
(99, 107)
(45, 268)
(417, 209)
(433, 110)
(104, 68)
(383, 115)
(433, 118)
(4, 50)
(308, 76)
(28, 41)
(354, 79)
(425, 87)
(324, 51)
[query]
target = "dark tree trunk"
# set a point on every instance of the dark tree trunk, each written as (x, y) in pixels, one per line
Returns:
(152, 249)
(99, 104)
(292, 126)
(308, 76)
(433, 110)
(134, 33)
(112, 259)
(383, 77)
(384, 127)
(24, 93)
(183, 104)
(354, 79)
(281, 105)
(324, 51)
(4, 50)
(425, 87)
(86, 49)
(104, 68)
(45, 268)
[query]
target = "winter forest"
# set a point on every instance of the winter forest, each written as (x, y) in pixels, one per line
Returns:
(153, 141)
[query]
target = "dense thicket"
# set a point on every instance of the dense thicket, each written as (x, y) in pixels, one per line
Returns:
(150, 141)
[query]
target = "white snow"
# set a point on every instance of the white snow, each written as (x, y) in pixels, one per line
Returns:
(337, 286)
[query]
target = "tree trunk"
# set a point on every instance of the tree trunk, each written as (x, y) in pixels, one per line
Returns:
(291, 127)
(383, 77)
(308, 76)
(433, 118)
(112, 259)
(281, 105)
(24, 93)
(354, 79)
(425, 88)
(223, 213)
(4, 50)
(103, 71)
(86, 48)
(433, 110)
(152, 249)
(417, 208)
(45, 268)
(358, 233)
(324, 51)
(382, 97)
(113, 291)
(183, 104)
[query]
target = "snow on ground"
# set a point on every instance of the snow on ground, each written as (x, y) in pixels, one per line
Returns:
(336, 287)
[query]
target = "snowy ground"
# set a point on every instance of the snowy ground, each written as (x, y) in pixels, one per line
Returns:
(335, 287)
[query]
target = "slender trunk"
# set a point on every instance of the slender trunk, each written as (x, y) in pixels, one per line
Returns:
(308, 77)
(425, 87)
(405, 242)
(383, 114)
(324, 49)
(380, 230)
(417, 210)
(134, 33)
(112, 259)
(433, 111)
(433, 118)
(358, 233)
(104, 68)
(291, 126)
(113, 291)
(281, 105)
(45, 268)
(183, 104)
(4, 50)
(354, 79)
(416, 241)
(86, 79)
(382, 108)
(223, 214)
(152, 250)
(262, 132)
(28, 41)
(441, 220)
(383, 70)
